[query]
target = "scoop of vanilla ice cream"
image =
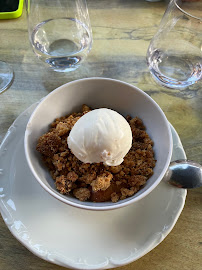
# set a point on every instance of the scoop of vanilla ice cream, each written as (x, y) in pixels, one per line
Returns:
(101, 135)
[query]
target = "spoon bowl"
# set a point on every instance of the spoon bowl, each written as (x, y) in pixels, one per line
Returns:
(184, 174)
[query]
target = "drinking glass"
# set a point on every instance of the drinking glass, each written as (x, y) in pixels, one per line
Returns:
(6, 76)
(174, 55)
(59, 32)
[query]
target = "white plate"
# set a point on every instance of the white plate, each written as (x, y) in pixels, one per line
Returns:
(77, 238)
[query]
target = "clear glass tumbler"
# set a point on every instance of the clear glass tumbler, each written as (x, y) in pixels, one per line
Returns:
(174, 55)
(59, 32)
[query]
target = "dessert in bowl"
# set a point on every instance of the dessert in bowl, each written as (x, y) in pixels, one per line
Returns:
(59, 124)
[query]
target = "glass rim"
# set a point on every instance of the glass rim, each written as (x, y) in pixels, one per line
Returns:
(185, 12)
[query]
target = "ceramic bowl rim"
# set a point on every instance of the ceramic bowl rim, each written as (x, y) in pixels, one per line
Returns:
(89, 207)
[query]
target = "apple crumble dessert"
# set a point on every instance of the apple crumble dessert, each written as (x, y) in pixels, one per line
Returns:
(96, 182)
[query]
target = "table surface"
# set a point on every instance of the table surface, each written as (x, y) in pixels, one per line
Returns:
(122, 31)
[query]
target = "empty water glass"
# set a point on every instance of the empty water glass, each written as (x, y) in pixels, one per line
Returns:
(59, 32)
(174, 55)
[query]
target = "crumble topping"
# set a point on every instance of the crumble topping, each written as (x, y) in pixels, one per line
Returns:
(96, 182)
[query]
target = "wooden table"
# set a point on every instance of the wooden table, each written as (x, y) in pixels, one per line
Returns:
(122, 31)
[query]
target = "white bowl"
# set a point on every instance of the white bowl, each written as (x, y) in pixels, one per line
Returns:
(99, 92)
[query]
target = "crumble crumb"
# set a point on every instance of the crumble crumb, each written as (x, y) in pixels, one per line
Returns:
(62, 128)
(83, 194)
(48, 144)
(114, 197)
(115, 169)
(85, 108)
(72, 176)
(63, 185)
(125, 192)
(102, 182)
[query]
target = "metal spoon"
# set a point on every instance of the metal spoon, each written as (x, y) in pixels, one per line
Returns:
(184, 174)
